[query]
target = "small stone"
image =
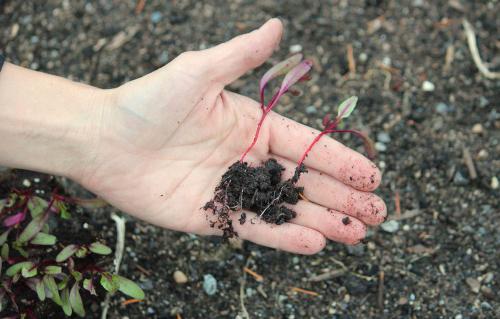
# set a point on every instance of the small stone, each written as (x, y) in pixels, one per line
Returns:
(488, 292)
(483, 154)
(383, 137)
(477, 128)
(486, 305)
(295, 260)
(403, 301)
(296, 48)
(494, 182)
(460, 179)
(26, 183)
(14, 30)
(36, 180)
(180, 277)
(163, 58)
(459, 316)
(406, 227)
(156, 16)
(311, 109)
(428, 86)
(381, 147)
(371, 245)
(150, 311)
(390, 226)
(363, 57)
(442, 108)
(483, 102)
(147, 284)
(358, 250)
(315, 89)
(386, 61)
(488, 277)
(473, 284)
(209, 284)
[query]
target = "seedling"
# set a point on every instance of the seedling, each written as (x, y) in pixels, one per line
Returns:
(37, 269)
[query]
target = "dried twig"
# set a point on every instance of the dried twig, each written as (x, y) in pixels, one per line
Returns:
(350, 59)
(471, 40)
(448, 59)
(469, 163)
(303, 197)
(380, 296)
(253, 274)
(131, 301)
(408, 214)
(244, 311)
(139, 6)
(397, 204)
(143, 270)
(328, 275)
(305, 291)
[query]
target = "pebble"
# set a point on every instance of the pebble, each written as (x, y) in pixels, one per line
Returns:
(477, 128)
(26, 183)
(486, 305)
(428, 86)
(180, 277)
(483, 102)
(473, 284)
(383, 137)
(150, 311)
(390, 226)
(483, 154)
(460, 179)
(156, 16)
(163, 59)
(147, 284)
(363, 57)
(296, 48)
(358, 250)
(442, 108)
(209, 284)
(311, 109)
(459, 316)
(494, 182)
(381, 147)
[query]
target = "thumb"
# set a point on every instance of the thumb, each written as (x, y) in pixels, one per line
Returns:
(228, 61)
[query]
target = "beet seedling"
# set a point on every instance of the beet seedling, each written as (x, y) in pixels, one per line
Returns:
(296, 70)
(331, 126)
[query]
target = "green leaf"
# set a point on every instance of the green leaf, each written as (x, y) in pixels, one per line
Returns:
(3, 237)
(29, 272)
(82, 252)
(16, 268)
(5, 251)
(77, 275)
(40, 290)
(67, 252)
(64, 281)
(51, 285)
(346, 107)
(33, 228)
(109, 283)
(66, 305)
(37, 206)
(92, 203)
(63, 210)
(76, 300)
(129, 287)
(98, 248)
(52, 270)
(89, 286)
(44, 239)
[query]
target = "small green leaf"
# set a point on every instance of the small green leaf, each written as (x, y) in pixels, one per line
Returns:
(37, 206)
(63, 210)
(44, 239)
(40, 290)
(33, 228)
(129, 287)
(109, 283)
(5, 251)
(16, 268)
(52, 270)
(64, 281)
(29, 272)
(82, 252)
(346, 107)
(89, 286)
(66, 305)
(77, 275)
(3, 237)
(67, 252)
(51, 285)
(98, 248)
(76, 300)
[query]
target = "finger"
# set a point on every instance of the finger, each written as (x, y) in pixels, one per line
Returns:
(230, 60)
(326, 191)
(332, 224)
(290, 139)
(289, 237)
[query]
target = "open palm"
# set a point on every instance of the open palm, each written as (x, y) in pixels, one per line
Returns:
(167, 138)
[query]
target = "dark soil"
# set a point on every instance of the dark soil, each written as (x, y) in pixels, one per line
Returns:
(258, 189)
(442, 260)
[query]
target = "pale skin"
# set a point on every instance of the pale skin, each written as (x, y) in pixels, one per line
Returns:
(157, 146)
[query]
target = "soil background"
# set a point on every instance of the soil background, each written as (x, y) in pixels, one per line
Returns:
(439, 259)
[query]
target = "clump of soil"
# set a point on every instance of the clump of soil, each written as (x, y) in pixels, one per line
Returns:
(257, 189)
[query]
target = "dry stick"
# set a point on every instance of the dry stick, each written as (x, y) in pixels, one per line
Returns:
(120, 246)
(471, 40)
(272, 202)
(380, 297)
(242, 292)
(397, 204)
(450, 56)
(469, 163)
(305, 291)
(350, 59)
(328, 275)
(253, 274)
(139, 6)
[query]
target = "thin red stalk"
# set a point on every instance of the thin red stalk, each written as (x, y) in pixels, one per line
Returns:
(316, 139)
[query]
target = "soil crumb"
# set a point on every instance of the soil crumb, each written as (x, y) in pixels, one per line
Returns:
(257, 189)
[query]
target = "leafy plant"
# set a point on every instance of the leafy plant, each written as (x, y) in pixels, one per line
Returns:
(34, 267)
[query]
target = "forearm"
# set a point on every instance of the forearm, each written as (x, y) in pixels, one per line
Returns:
(47, 123)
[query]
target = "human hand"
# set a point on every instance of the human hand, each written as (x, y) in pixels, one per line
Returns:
(167, 138)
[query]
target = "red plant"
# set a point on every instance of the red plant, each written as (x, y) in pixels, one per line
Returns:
(296, 70)
(330, 126)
